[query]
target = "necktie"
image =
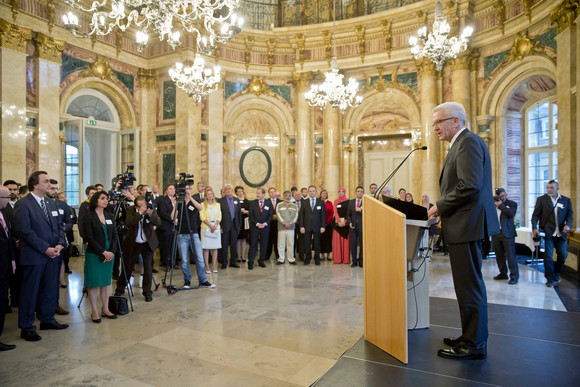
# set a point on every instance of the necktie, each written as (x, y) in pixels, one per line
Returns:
(357, 203)
(3, 224)
(43, 206)
(312, 204)
(261, 205)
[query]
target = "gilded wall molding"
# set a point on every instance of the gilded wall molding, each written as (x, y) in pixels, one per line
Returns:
(499, 6)
(381, 84)
(271, 49)
(15, 8)
(147, 79)
(565, 14)
(248, 41)
(100, 68)
(49, 48)
(462, 62)
(523, 46)
(257, 86)
(50, 14)
(360, 35)
(300, 46)
(13, 36)
(119, 42)
(301, 80)
(387, 32)
(474, 60)
(425, 67)
(528, 4)
(327, 39)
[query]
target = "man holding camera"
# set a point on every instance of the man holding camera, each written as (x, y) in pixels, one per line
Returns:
(140, 239)
(554, 213)
(166, 211)
(504, 243)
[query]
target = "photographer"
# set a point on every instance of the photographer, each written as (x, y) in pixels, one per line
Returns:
(188, 239)
(166, 211)
(504, 243)
(140, 239)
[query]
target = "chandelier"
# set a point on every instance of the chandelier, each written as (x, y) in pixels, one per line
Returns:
(196, 80)
(211, 21)
(436, 46)
(333, 91)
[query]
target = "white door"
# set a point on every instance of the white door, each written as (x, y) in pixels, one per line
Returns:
(379, 165)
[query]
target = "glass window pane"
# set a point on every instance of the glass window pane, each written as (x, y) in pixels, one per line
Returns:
(554, 124)
(555, 165)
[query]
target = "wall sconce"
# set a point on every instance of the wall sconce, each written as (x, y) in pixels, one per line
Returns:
(416, 137)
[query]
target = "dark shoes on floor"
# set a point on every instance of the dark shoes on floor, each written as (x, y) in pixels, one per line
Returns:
(353, 265)
(513, 281)
(224, 267)
(30, 336)
(250, 267)
(53, 325)
(500, 277)
(60, 311)
(293, 263)
(452, 341)
(148, 298)
(119, 293)
(462, 352)
(262, 264)
(6, 347)
(235, 265)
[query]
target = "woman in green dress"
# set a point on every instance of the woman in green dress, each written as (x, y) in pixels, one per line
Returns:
(101, 237)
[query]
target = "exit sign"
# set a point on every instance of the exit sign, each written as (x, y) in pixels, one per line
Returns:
(92, 122)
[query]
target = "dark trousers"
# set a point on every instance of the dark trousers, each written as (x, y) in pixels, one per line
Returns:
(116, 263)
(5, 270)
(465, 261)
(553, 270)
(356, 244)
(38, 289)
(165, 247)
(258, 236)
(59, 262)
(506, 248)
(309, 237)
(273, 240)
(66, 257)
(229, 239)
(298, 244)
(129, 261)
(15, 285)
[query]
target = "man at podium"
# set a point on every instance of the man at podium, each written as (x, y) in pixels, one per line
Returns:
(468, 215)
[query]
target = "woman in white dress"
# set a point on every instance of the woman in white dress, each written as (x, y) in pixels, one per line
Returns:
(211, 216)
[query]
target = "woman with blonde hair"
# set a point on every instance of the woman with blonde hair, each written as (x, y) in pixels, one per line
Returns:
(211, 216)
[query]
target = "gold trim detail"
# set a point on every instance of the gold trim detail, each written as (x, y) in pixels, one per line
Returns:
(426, 67)
(100, 68)
(49, 48)
(462, 62)
(360, 35)
(501, 18)
(565, 14)
(271, 49)
(50, 14)
(327, 38)
(15, 8)
(528, 4)
(300, 45)
(13, 36)
(147, 79)
(387, 25)
(523, 46)
(248, 50)
(257, 86)
(301, 80)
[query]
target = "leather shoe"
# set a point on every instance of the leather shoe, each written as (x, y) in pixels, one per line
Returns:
(119, 293)
(353, 265)
(6, 347)
(224, 267)
(60, 311)
(111, 316)
(250, 267)
(501, 277)
(513, 281)
(317, 263)
(452, 341)
(279, 263)
(30, 336)
(293, 263)
(235, 265)
(148, 298)
(96, 320)
(306, 263)
(54, 325)
(154, 270)
(462, 352)
(360, 264)
(262, 264)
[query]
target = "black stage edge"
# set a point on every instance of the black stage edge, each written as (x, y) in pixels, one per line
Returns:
(526, 347)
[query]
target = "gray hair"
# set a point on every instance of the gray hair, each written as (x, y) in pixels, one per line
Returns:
(228, 185)
(286, 192)
(454, 109)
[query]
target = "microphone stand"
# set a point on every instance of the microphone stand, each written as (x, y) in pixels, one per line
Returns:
(378, 192)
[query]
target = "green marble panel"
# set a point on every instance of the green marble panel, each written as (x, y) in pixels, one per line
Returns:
(168, 169)
(165, 137)
(283, 91)
(292, 141)
(409, 79)
(491, 62)
(318, 140)
(388, 78)
(548, 39)
(70, 65)
(169, 100)
(127, 80)
(232, 88)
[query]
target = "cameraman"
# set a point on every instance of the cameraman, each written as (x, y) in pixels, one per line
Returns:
(166, 211)
(504, 243)
(188, 239)
(140, 239)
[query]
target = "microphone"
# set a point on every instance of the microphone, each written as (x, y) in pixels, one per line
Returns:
(378, 192)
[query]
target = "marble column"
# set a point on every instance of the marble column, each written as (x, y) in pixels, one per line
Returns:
(48, 51)
(13, 96)
(215, 139)
(461, 85)
(431, 165)
(332, 151)
(187, 135)
(345, 159)
(304, 140)
(147, 96)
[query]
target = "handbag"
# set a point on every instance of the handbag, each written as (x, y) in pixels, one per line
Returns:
(118, 305)
(209, 234)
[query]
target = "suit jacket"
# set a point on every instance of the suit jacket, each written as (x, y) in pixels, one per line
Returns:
(312, 219)
(260, 217)
(64, 216)
(198, 198)
(544, 214)
(35, 232)
(7, 251)
(8, 213)
(83, 211)
(132, 222)
(95, 236)
(352, 216)
(73, 218)
(164, 209)
(468, 212)
(226, 221)
(506, 218)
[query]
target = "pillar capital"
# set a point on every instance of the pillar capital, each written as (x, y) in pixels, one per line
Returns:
(49, 48)
(426, 67)
(564, 14)
(147, 79)
(14, 37)
(462, 62)
(301, 80)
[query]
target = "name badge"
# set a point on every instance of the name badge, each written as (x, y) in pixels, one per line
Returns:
(318, 207)
(241, 201)
(235, 202)
(147, 221)
(108, 221)
(191, 208)
(282, 208)
(54, 213)
(267, 208)
(60, 211)
(338, 205)
(560, 205)
(72, 217)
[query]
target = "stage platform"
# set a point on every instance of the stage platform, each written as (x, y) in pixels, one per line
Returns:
(526, 347)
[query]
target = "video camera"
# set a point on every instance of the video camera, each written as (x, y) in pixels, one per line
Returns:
(125, 179)
(498, 191)
(149, 199)
(183, 180)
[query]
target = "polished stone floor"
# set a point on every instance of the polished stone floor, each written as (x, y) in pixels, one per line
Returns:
(278, 326)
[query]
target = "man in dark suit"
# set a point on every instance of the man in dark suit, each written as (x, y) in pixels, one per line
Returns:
(554, 213)
(468, 215)
(273, 238)
(166, 211)
(84, 209)
(70, 237)
(354, 219)
(8, 211)
(504, 243)
(260, 218)
(230, 225)
(140, 239)
(41, 241)
(312, 220)
(7, 263)
(298, 237)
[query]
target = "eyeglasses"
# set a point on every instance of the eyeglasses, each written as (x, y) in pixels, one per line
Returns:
(439, 122)
(4, 197)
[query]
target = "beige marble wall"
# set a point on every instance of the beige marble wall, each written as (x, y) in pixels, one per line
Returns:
(148, 152)
(332, 152)
(187, 134)
(13, 120)
(215, 138)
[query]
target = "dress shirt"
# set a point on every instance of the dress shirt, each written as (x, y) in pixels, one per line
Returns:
(455, 137)
(231, 206)
(555, 205)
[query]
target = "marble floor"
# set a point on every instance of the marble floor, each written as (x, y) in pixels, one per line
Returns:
(278, 326)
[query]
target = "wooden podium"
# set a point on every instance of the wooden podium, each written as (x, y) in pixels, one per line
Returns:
(392, 273)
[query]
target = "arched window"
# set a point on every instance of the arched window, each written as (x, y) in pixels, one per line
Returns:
(541, 151)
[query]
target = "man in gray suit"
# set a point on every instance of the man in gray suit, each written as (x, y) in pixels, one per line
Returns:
(468, 215)
(504, 243)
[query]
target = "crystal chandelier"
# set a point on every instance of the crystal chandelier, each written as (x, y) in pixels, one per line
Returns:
(211, 21)
(436, 46)
(333, 91)
(197, 81)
